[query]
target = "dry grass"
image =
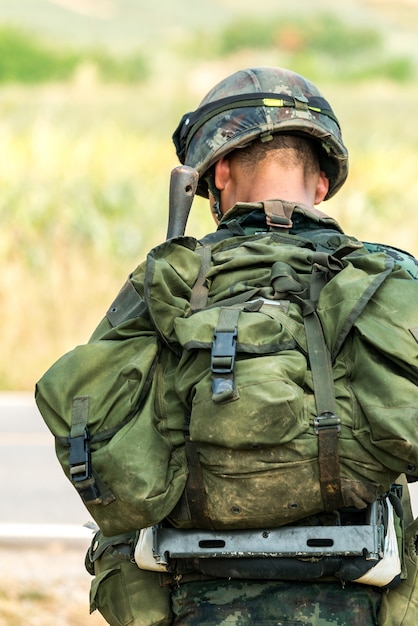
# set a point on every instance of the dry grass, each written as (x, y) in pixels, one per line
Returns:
(34, 605)
(45, 586)
(84, 180)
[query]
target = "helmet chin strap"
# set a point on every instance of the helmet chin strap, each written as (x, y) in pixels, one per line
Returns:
(216, 206)
(216, 210)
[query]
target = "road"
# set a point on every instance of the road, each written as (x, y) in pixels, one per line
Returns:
(42, 538)
(35, 494)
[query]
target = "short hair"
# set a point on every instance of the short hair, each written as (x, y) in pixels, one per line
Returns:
(288, 150)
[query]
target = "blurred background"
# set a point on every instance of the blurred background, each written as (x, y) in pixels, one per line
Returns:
(90, 93)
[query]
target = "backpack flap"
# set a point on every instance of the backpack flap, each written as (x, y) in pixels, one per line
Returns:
(360, 307)
(114, 439)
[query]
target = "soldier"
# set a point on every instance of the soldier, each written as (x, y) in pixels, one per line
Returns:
(266, 149)
(263, 134)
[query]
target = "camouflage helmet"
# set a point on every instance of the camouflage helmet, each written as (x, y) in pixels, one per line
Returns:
(257, 103)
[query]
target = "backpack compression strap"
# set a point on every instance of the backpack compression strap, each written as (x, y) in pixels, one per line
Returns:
(327, 424)
(90, 487)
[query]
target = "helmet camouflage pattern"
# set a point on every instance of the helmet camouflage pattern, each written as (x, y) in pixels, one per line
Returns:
(256, 103)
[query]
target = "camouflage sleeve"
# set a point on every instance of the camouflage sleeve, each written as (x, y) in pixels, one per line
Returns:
(406, 260)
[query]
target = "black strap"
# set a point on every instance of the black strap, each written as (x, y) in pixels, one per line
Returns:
(222, 358)
(91, 488)
(80, 454)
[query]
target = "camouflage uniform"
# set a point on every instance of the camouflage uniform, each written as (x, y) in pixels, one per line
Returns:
(268, 603)
(405, 259)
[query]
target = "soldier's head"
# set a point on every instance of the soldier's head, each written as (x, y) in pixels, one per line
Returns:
(254, 113)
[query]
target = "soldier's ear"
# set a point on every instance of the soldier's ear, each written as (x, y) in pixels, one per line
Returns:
(322, 187)
(222, 173)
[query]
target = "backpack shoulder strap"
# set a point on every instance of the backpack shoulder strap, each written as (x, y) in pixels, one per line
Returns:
(200, 290)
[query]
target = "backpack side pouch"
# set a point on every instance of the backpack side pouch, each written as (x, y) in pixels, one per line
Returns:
(123, 593)
(105, 403)
(399, 606)
(364, 324)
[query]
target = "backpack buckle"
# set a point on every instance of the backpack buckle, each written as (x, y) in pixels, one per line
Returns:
(222, 364)
(222, 358)
(80, 458)
(327, 421)
(223, 351)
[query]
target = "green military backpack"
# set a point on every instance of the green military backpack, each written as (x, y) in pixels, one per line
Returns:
(242, 382)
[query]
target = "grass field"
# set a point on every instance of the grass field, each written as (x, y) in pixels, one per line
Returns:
(84, 186)
(85, 171)
(45, 585)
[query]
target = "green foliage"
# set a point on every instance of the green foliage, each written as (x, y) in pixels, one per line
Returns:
(400, 69)
(24, 58)
(328, 35)
(85, 163)
(248, 33)
(324, 35)
(130, 69)
(323, 47)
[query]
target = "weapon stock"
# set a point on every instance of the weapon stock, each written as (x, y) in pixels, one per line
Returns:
(183, 185)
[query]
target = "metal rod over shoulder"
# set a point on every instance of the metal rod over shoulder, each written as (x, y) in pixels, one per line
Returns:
(183, 185)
